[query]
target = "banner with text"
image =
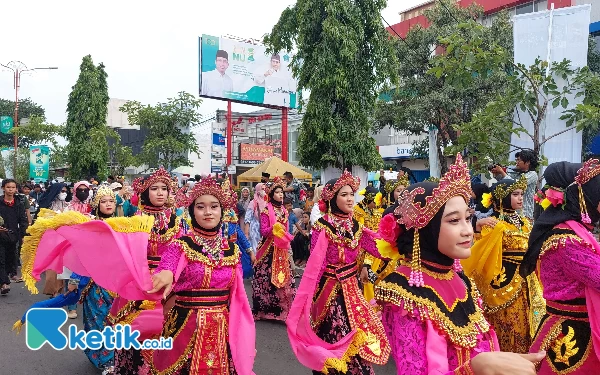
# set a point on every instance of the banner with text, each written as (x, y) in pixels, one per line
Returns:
(243, 72)
(254, 154)
(39, 163)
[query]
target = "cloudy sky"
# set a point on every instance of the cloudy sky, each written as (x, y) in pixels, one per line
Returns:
(150, 48)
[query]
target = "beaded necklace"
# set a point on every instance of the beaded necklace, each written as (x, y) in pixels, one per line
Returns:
(213, 246)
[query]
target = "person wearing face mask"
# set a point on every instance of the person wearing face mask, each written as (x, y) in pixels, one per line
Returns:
(331, 327)
(81, 199)
(430, 310)
(273, 285)
(513, 305)
(203, 270)
(566, 255)
(95, 300)
(154, 194)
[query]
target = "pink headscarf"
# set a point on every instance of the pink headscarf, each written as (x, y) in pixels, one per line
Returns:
(258, 203)
(76, 204)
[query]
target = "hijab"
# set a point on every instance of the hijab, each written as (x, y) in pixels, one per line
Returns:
(258, 203)
(272, 200)
(560, 175)
(479, 190)
(50, 195)
(333, 202)
(428, 235)
(77, 204)
(196, 225)
(506, 201)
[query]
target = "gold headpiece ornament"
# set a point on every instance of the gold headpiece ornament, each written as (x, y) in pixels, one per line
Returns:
(456, 182)
(391, 185)
(207, 186)
(502, 191)
(141, 184)
(345, 179)
(590, 169)
(102, 192)
(230, 215)
(277, 182)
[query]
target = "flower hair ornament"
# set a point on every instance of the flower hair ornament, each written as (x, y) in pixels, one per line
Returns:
(102, 192)
(590, 169)
(373, 196)
(277, 182)
(345, 179)
(207, 186)
(456, 182)
(141, 184)
(502, 191)
(551, 195)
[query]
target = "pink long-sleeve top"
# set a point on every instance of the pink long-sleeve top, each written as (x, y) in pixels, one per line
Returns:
(366, 243)
(222, 272)
(166, 229)
(567, 267)
(408, 338)
(266, 229)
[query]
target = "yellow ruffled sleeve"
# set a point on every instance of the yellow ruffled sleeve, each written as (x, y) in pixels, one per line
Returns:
(485, 261)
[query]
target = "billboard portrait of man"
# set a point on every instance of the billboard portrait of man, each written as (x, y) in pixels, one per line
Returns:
(217, 82)
(277, 82)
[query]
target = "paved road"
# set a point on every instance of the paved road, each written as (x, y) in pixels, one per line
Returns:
(274, 354)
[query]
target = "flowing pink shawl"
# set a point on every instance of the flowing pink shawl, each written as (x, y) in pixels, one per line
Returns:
(115, 261)
(592, 296)
(311, 350)
(76, 204)
(258, 203)
(242, 332)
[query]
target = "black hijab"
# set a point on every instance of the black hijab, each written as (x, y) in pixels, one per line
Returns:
(272, 200)
(196, 225)
(48, 197)
(333, 202)
(479, 190)
(506, 201)
(560, 175)
(428, 235)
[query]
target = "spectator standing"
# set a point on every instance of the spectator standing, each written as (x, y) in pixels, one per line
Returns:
(526, 163)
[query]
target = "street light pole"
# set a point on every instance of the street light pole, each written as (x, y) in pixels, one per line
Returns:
(18, 67)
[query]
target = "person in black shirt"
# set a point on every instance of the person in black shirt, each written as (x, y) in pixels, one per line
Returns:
(12, 230)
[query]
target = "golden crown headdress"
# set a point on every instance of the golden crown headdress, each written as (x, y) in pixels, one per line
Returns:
(589, 170)
(456, 182)
(391, 185)
(102, 192)
(504, 190)
(207, 186)
(230, 214)
(345, 179)
(142, 184)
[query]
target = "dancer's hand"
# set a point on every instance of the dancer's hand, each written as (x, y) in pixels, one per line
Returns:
(72, 287)
(488, 221)
(364, 275)
(163, 279)
(253, 258)
(502, 363)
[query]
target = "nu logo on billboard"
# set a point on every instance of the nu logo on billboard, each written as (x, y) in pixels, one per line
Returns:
(239, 53)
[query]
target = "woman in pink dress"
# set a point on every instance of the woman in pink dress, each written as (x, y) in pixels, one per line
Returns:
(431, 311)
(147, 316)
(211, 323)
(566, 256)
(331, 327)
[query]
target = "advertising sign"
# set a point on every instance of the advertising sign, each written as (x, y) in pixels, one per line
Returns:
(6, 123)
(249, 152)
(39, 163)
(243, 72)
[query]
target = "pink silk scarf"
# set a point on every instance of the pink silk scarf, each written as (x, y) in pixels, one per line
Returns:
(592, 296)
(311, 350)
(115, 261)
(242, 332)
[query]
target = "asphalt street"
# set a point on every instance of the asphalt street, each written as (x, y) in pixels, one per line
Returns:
(274, 355)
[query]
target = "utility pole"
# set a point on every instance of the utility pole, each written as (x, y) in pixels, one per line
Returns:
(18, 68)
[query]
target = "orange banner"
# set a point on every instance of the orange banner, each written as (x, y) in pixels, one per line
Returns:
(255, 152)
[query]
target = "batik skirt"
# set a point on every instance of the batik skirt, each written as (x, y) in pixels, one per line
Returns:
(96, 302)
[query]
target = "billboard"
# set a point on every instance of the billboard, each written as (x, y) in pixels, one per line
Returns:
(254, 154)
(39, 163)
(243, 72)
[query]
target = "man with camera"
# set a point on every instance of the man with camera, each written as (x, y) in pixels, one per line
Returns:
(526, 163)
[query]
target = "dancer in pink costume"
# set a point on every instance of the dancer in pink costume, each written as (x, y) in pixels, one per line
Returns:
(211, 323)
(566, 256)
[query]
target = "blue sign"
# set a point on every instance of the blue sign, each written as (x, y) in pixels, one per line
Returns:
(218, 139)
(216, 169)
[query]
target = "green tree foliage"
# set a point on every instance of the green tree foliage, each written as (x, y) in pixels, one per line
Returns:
(167, 143)
(86, 130)
(343, 57)
(22, 173)
(39, 132)
(120, 156)
(529, 89)
(421, 100)
(27, 109)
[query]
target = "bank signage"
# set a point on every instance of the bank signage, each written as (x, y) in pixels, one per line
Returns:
(399, 151)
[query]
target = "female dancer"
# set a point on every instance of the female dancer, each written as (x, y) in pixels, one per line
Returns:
(512, 305)
(331, 327)
(430, 309)
(273, 286)
(153, 193)
(211, 323)
(252, 217)
(393, 189)
(566, 255)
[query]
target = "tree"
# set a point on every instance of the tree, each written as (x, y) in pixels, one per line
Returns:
(27, 109)
(86, 129)
(423, 101)
(22, 173)
(343, 57)
(167, 144)
(38, 131)
(531, 91)
(120, 157)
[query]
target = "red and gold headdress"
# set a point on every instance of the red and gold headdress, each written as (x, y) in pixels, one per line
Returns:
(141, 184)
(277, 182)
(207, 186)
(456, 182)
(345, 179)
(590, 169)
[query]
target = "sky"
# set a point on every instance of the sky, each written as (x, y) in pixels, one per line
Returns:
(149, 48)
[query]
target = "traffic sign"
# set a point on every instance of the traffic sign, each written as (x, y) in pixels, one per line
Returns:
(6, 123)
